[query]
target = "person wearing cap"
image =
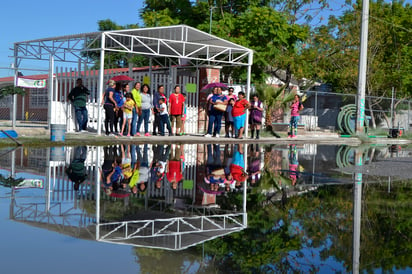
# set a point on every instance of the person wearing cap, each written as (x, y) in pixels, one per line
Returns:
(78, 96)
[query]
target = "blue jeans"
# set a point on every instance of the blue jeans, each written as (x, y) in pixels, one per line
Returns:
(165, 120)
(135, 117)
(145, 116)
(81, 117)
(215, 122)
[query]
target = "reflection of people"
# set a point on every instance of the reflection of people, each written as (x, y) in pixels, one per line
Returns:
(144, 168)
(174, 173)
(77, 170)
(254, 161)
(237, 168)
(293, 164)
(215, 173)
(160, 157)
(78, 96)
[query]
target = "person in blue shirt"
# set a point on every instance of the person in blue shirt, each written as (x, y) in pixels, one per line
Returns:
(215, 113)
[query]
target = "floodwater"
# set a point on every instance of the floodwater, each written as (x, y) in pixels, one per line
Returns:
(206, 209)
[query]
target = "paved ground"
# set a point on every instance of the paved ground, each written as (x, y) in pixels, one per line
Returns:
(308, 137)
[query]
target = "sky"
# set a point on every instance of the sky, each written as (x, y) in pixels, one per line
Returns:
(26, 20)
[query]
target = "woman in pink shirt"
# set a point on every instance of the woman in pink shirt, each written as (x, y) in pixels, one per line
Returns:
(294, 116)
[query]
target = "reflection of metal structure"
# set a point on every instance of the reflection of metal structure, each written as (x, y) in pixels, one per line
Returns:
(58, 208)
(174, 233)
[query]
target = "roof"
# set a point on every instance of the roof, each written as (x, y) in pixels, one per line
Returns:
(180, 41)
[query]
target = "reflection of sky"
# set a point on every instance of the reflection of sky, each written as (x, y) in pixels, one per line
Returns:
(27, 249)
(308, 255)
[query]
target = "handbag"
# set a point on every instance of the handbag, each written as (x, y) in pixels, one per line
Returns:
(257, 116)
(219, 107)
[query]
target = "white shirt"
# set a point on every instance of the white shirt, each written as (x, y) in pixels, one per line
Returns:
(163, 109)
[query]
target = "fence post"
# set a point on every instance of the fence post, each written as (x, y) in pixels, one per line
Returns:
(409, 113)
(316, 109)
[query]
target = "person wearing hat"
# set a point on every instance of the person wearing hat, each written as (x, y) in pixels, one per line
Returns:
(109, 105)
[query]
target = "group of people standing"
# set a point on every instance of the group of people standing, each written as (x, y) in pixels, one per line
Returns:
(233, 108)
(126, 110)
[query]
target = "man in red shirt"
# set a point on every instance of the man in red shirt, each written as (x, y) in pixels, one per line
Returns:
(176, 105)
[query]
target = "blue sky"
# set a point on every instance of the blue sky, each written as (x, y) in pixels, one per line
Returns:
(23, 20)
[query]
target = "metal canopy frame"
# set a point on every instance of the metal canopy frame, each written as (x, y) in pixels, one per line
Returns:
(172, 234)
(179, 42)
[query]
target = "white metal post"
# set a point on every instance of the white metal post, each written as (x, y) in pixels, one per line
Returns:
(50, 91)
(248, 82)
(101, 87)
(360, 115)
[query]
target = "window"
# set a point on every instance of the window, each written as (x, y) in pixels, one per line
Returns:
(38, 98)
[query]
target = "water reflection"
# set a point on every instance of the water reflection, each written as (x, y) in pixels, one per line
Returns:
(293, 200)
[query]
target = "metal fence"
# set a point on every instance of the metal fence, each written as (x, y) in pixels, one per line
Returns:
(320, 113)
(322, 109)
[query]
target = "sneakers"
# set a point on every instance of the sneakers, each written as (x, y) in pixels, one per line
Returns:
(128, 135)
(147, 134)
(217, 136)
(138, 134)
(208, 135)
(292, 136)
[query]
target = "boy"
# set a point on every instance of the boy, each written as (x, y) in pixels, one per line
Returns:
(294, 116)
(127, 113)
(229, 129)
(164, 117)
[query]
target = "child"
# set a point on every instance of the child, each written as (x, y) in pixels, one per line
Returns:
(229, 129)
(294, 119)
(128, 107)
(182, 130)
(164, 117)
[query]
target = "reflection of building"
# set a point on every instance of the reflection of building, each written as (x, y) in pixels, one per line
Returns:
(154, 219)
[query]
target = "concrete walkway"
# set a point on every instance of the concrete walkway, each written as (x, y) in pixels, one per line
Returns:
(326, 138)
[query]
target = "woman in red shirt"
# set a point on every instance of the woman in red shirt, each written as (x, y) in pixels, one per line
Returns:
(239, 114)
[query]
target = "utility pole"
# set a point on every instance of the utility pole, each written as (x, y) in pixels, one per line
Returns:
(360, 115)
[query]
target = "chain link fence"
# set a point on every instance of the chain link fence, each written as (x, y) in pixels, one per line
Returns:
(322, 110)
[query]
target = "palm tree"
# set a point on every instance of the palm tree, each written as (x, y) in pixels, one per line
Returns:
(275, 99)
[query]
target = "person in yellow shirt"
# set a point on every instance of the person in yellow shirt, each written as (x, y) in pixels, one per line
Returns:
(138, 107)
(128, 107)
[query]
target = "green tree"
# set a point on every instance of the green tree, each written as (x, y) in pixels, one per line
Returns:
(275, 100)
(10, 90)
(335, 49)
